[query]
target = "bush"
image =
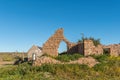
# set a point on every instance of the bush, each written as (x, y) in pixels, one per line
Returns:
(68, 57)
(96, 42)
(101, 58)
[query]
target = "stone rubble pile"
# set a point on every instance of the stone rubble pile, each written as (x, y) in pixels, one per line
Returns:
(48, 60)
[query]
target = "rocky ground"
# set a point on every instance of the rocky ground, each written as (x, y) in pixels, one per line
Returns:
(48, 60)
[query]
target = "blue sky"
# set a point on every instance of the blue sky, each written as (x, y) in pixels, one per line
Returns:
(27, 22)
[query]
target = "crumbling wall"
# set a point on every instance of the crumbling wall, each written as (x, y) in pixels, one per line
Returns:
(81, 48)
(73, 48)
(87, 47)
(91, 49)
(34, 50)
(52, 44)
(114, 49)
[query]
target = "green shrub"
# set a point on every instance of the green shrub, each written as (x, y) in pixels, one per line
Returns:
(96, 42)
(101, 58)
(109, 66)
(68, 57)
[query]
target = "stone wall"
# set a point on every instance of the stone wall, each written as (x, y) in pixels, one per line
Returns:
(91, 49)
(114, 49)
(34, 50)
(73, 48)
(77, 48)
(86, 47)
(52, 44)
(81, 48)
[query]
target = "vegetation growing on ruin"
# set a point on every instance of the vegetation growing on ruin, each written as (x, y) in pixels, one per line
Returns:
(95, 41)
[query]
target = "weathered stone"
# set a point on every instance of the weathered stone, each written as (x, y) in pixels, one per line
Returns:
(86, 47)
(52, 44)
(34, 50)
(91, 49)
(45, 60)
(114, 49)
(86, 60)
(48, 60)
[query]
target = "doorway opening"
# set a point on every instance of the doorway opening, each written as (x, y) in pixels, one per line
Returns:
(106, 51)
(62, 48)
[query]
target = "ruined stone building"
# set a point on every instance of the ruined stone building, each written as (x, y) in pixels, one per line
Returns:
(52, 44)
(86, 47)
(34, 50)
(113, 49)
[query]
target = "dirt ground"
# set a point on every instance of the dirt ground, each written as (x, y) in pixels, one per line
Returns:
(5, 63)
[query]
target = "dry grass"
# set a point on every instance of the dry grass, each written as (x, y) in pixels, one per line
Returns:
(8, 58)
(11, 56)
